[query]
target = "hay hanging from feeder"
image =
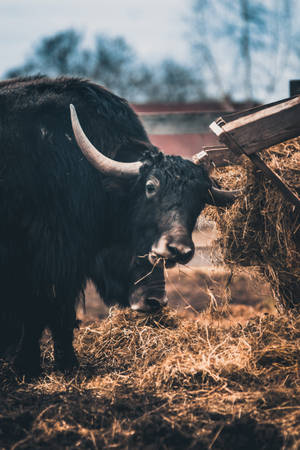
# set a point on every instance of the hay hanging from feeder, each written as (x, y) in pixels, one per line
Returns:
(262, 228)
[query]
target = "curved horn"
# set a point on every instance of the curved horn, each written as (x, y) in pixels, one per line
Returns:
(97, 159)
(219, 197)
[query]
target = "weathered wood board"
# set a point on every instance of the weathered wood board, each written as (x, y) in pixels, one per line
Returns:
(221, 155)
(256, 129)
(261, 127)
(217, 155)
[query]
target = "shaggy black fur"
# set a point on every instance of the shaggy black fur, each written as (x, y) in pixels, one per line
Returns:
(62, 222)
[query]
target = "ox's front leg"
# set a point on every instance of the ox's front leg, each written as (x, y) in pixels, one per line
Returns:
(28, 358)
(62, 324)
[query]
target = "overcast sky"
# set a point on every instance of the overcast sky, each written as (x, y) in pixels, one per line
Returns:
(155, 28)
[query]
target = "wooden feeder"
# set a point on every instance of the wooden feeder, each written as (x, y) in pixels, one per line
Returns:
(251, 131)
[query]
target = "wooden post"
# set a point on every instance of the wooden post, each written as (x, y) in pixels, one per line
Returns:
(294, 87)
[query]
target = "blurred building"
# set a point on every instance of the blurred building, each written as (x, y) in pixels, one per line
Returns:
(183, 128)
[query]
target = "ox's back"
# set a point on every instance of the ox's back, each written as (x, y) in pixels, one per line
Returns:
(31, 103)
(43, 173)
(52, 202)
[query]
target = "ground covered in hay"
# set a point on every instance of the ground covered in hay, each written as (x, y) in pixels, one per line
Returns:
(163, 382)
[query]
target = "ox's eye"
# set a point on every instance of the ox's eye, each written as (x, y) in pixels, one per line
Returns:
(151, 187)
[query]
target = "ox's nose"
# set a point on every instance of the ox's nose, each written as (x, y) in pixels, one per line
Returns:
(178, 249)
(181, 253)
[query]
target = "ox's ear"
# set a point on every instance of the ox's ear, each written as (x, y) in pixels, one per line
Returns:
(220, 197)
(216, 196)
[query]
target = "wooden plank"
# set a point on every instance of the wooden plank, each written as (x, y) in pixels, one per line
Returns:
(266, 126)
(219, 156)
(216, 128)
(263, 112)
(294, 87)
(177, 123)
(230, 116)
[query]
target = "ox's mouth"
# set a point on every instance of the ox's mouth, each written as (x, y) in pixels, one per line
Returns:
(170, 261)
(171, 249)
(148, 291)
(149, 297)
(155, 258)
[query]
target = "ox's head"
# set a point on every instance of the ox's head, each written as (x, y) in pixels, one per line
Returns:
(168, 193)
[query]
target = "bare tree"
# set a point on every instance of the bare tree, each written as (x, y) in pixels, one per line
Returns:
(242, 46)
(113, 63)
(170, 81)
(57, 54)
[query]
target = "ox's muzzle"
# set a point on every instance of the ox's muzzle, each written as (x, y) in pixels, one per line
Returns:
(172, 248)
(148, 293)
(142, 303)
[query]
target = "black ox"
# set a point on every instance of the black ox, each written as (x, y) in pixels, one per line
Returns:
(111, 217)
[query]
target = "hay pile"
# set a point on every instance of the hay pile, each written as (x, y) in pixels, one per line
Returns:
(160, 382)
(262, 229)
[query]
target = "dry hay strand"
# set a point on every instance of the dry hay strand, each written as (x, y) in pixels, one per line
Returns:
(262, 229)
(160, 382)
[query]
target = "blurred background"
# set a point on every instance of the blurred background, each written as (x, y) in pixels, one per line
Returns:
(158, 51)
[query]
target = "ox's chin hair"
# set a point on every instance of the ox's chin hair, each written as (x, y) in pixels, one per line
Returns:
(112, 271)
(110, 276)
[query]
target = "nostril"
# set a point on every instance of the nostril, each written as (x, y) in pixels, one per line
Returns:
(181, 252)
(187, 252)
(173, 250)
